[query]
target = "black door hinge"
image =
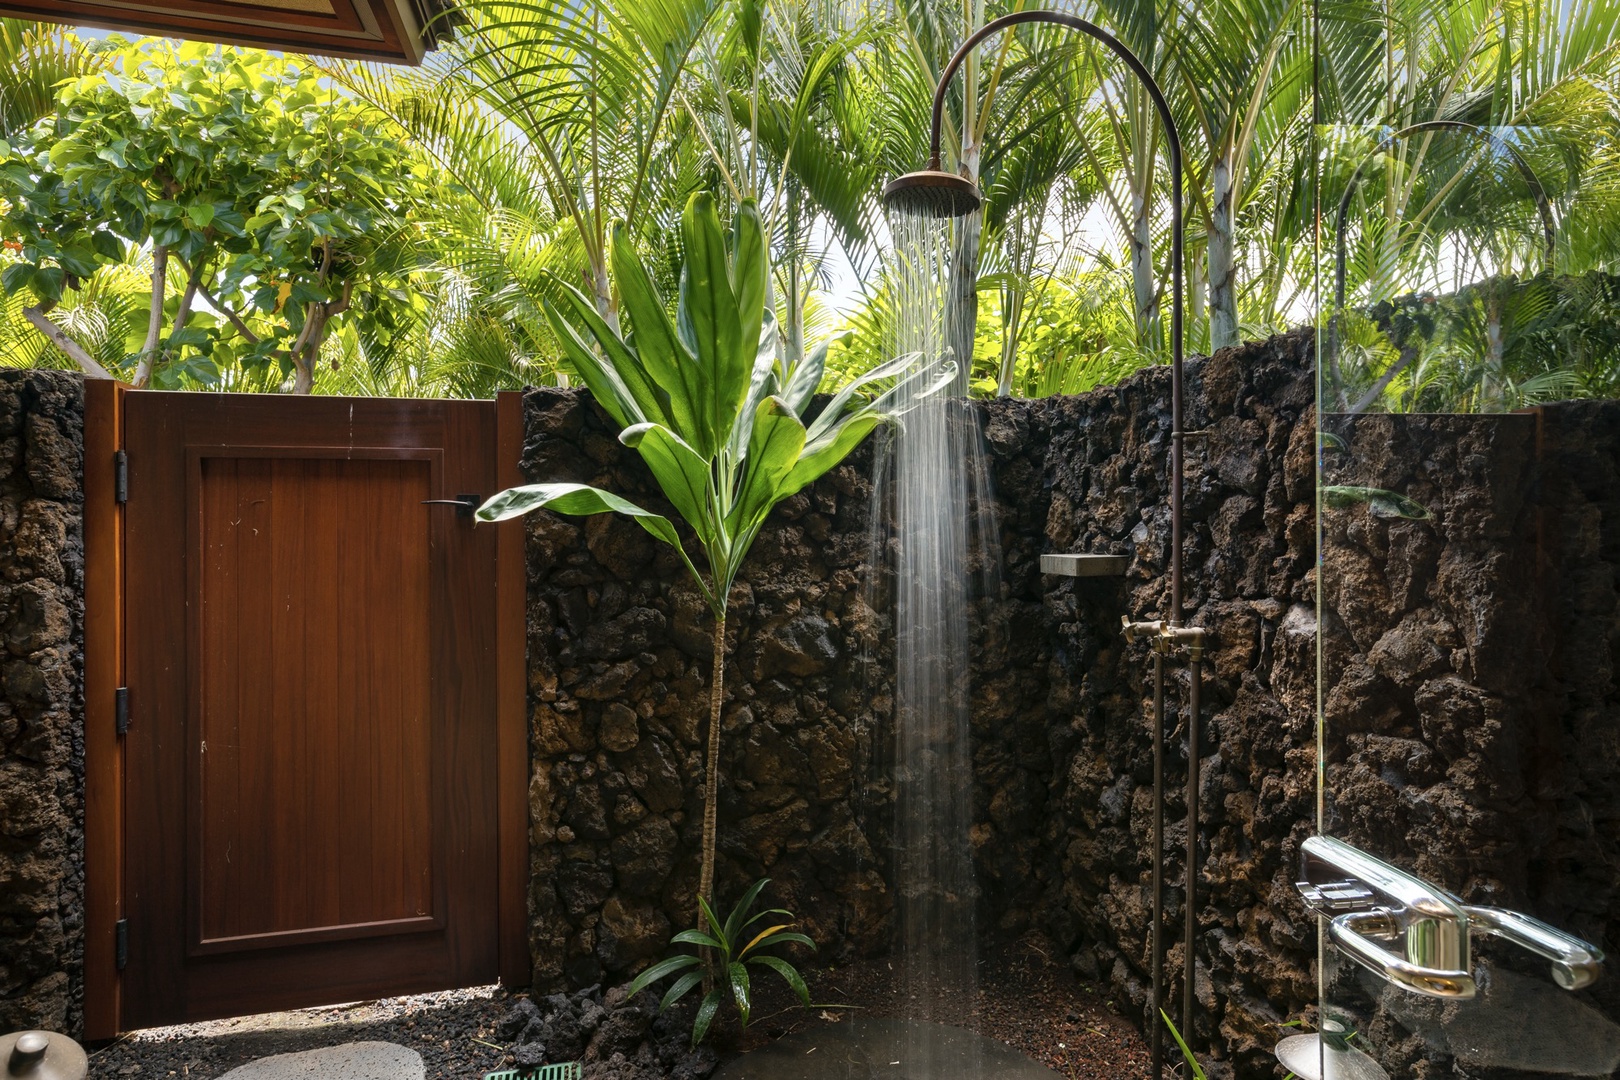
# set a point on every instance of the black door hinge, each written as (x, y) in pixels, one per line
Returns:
(120, 476)
(121, 709)
(121, 943)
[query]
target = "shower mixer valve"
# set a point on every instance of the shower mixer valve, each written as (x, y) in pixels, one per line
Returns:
(1165, 637)
(1373, 906)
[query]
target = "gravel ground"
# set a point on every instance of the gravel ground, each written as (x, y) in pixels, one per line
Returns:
(1025, 999)
(454, 1031)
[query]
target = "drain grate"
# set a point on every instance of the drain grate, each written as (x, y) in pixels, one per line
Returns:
(568, 1070)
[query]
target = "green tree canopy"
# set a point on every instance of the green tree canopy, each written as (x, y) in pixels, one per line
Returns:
(259, 196)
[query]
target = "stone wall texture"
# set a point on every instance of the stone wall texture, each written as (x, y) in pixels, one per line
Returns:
(1084, 791)
(620, 655)
(41, 692)
(1470, 707)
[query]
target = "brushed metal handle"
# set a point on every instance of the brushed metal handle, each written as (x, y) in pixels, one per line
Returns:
(1575, 963)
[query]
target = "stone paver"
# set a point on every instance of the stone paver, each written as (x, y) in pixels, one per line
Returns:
(347, 1061)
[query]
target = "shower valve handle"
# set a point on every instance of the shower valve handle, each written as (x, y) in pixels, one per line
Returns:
(1139, 631)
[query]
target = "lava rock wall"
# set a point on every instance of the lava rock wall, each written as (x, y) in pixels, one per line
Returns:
(620, 656)
(41, 699)
(1064, 716)
(1470, 700)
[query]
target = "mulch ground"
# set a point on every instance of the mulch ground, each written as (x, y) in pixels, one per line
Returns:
(1026, 998)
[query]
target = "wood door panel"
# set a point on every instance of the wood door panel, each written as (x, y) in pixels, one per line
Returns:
(314, 818)
(310, 768)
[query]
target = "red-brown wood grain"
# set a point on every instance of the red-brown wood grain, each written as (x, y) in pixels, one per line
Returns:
(103, 674)
(312, 775)
(364, 29)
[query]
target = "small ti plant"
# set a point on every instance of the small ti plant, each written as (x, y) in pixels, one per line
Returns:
(1194, 1070)
(722, 948)
(719, 420)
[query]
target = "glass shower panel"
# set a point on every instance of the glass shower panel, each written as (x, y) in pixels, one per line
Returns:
(1467, 875)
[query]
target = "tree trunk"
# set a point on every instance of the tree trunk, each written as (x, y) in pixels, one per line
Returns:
(1223, 322)
(154, 318)
(711, 789)
(962, 299)
(1143, 283)
(307, 348)
(1493, 380)
(58, 337)
(602, 293)
(711, 779)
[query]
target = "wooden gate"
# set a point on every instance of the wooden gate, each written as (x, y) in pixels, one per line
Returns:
(305, 748)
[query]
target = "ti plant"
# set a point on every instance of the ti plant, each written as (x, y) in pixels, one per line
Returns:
(1195, 1070)
(722, 947)
(719, 422)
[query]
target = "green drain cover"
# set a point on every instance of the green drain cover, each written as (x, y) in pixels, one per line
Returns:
(569, 1070)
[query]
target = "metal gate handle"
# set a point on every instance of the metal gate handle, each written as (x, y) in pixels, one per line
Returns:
(1349, 932)
(1575, 964)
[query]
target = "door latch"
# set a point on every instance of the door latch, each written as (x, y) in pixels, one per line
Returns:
(466, 505)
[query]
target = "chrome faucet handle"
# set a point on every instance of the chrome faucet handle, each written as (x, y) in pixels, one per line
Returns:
(1575, 963)
(1367, 898)
(1354, 932)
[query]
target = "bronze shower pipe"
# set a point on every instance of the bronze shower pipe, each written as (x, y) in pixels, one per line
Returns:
(1341, 222)
(1177, 230)
(936, 192)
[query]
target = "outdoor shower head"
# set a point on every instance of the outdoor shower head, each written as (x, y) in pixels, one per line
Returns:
(932, 193)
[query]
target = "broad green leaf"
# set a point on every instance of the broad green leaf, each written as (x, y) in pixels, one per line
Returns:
(695, 937)
(773, 452)
(832, 447)
(651, 401)
(15, 276)
(659, 970)
(762, 383)
(788, 972)
(805, 378)
(580, 500)
(836, 408)
(46, 281)
(709, 316)
(734, 922)
(684, 476)
(750, 276)
(662, 355)
(680, 989)
(705, 1015)
(602, 380)
(738, 975)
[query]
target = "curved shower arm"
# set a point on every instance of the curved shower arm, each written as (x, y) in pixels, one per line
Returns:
(1341, 222)
(1177, 231)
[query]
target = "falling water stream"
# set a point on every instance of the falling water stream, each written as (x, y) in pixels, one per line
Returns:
(936, 481)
